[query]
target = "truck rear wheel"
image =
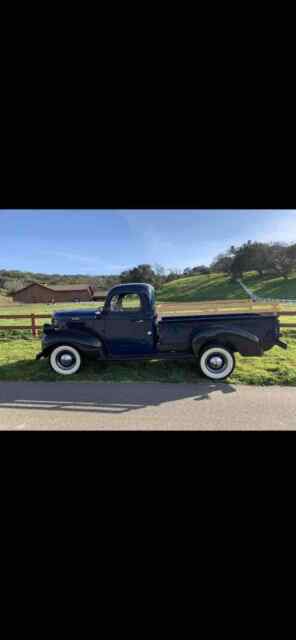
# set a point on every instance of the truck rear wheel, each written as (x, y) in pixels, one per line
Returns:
(65, 360)
(216, 362)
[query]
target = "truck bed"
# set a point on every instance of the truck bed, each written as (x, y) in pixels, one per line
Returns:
(177, 332)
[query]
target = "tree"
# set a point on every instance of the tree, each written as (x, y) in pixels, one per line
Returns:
(159, 275)
(174, 274)
(282, 258)
(221, 264)
(239, 265)
(258, 257)
(251, 256)
(231, 252)
(201, 268)
(262, 257)
(291, 252)
(141, 273)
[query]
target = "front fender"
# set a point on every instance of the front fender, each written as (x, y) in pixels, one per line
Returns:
(247, 344)
(86, 343)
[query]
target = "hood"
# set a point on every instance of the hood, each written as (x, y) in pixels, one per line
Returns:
(82, 314)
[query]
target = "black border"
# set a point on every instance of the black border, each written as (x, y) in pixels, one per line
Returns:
(95, 175)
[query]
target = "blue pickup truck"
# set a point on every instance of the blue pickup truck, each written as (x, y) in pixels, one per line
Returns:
(128, 328)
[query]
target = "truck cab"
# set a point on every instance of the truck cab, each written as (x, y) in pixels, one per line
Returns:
(129, 319)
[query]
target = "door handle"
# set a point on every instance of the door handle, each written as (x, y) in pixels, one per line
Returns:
(138, 321)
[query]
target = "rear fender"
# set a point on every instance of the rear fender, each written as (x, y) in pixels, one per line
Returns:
(239, 340)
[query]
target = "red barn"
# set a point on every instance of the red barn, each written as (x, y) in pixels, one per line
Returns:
(41, 293)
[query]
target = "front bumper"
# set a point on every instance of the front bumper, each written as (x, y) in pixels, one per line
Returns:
(282, 344)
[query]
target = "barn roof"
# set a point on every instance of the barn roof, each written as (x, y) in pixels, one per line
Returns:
(67, 287)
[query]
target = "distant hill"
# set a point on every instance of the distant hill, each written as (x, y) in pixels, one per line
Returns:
(214, 286)
(25, 277)
(219, 286)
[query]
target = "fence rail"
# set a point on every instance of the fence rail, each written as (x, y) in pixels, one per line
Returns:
(223, 304)
(33, 327)
(169, 307)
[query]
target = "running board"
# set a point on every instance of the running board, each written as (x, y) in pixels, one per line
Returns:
(153, 356)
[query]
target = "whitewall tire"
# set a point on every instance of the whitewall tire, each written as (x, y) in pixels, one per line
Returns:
(217, 363)
(65, 360)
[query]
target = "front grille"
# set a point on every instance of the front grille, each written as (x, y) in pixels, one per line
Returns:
(48, 328)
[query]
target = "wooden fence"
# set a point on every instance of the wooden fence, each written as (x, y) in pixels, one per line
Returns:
(218, 305)
(170, 308)
(226, 306)
(33, 327)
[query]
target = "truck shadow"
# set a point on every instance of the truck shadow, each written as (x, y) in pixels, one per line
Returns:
(102, 397)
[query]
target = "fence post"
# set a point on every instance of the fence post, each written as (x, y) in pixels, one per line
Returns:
(34, 332)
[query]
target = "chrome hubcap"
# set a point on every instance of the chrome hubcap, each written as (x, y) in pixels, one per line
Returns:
(65, 360)
(216, 362)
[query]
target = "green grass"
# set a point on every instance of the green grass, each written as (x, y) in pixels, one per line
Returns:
(17, 362)
(275, 367)
(215, 286)
(218, 286)
(271, 287)
(288, 319)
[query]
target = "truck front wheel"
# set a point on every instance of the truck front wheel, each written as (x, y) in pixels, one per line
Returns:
(216, 362)
(65, 360)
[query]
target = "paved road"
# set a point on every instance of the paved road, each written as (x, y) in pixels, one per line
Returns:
(103, 406)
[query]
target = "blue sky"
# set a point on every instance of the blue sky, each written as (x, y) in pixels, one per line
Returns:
(102, 242)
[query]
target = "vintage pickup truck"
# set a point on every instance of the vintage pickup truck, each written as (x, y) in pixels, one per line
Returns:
(128, 328)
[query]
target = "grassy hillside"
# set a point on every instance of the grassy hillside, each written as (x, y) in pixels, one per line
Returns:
(215, 286)
(271, 287)
(218, 286)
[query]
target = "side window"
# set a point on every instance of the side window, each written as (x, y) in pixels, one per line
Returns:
(127, 302)
(131, 302)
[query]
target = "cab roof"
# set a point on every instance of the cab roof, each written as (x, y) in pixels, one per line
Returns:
(133, 287)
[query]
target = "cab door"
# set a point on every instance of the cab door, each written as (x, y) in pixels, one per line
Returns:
(129, 328)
